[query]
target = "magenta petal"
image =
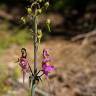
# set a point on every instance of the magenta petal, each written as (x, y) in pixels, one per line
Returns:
(46, 60)
(49, 68)
(46, 73)
(23, 63)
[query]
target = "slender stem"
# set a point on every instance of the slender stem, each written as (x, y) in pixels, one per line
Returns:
(30, 69)
(35, 44)
(35, 55)
(33, 89)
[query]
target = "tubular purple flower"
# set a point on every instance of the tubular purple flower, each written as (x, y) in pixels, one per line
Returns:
(23, 62)
(45, 63)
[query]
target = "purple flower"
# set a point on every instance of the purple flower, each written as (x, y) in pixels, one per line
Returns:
(23, 62)
(47, 69)
(45, 63)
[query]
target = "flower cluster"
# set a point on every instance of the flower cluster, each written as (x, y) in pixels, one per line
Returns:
(24, 64)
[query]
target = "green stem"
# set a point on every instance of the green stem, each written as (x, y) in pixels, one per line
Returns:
(35, 55)
(33, 90)
(35, 44)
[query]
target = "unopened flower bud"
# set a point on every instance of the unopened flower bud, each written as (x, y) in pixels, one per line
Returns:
(23, 20)
(48, 21)
(47, 4)
(39, 35)
(29, 10)
(40, 1)
(39, 31)
(39, 11)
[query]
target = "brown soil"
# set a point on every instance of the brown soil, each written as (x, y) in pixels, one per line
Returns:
(75, 73)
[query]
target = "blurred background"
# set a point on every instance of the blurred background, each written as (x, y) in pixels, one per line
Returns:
(73, 44)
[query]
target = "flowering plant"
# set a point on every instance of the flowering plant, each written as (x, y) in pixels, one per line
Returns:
(35, 8)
